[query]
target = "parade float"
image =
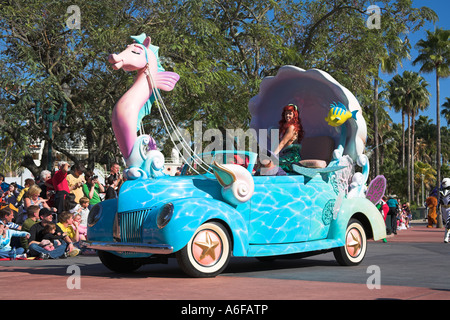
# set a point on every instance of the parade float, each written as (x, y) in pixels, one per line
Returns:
(203, 218)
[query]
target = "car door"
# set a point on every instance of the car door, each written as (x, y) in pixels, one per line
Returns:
(279, 210)
(285, 209)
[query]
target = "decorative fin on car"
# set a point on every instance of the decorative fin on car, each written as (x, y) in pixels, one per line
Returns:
(237, 183)
(224, 175)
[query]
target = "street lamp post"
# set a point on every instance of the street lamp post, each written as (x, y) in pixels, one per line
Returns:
(50, 116)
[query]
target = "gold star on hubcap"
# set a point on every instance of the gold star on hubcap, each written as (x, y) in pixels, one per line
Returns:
(355, 244)
(208, 247)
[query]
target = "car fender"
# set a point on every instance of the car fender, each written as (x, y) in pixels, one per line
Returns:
(363, 210)
(102, 229)
(190, 213)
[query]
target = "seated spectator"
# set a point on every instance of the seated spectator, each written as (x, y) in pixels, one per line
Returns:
(9, 196)
(70, 204)
(45, 183)
(92, 188)
(37, 235)
(67, 227)
(50, 233)
(115, 172)
(6, 234)
(7, 217)
(32, 218)
(2, 181)
(84, 210)
(111, 191)
(28, 183)
(76, 181)
(47, 245)
(82, 230)
(33, 198)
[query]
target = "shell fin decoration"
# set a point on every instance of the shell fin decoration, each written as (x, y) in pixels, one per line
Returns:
(224, 175)
(237, 183)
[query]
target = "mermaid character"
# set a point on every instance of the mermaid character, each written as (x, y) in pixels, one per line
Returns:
(291, 135)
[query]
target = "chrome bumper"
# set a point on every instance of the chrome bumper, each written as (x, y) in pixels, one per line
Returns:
(128, 247)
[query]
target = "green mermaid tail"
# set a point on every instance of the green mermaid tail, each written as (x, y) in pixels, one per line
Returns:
(288, 156)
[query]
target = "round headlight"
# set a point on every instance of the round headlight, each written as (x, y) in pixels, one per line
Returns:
(94, 215)
(165, 215)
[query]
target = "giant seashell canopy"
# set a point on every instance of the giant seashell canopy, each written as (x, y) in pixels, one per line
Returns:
(313, 91)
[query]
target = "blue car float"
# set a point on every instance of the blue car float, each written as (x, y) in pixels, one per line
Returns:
(202, 220)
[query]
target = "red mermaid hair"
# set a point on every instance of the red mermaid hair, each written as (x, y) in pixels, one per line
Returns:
(296, 122)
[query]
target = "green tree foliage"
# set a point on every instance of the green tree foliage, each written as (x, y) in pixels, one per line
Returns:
(221, 49)
(434, 56)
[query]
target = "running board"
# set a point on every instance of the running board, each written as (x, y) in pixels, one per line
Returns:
(262, 250)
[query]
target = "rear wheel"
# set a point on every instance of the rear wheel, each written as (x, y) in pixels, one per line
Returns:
(207, 253)
(354, 250)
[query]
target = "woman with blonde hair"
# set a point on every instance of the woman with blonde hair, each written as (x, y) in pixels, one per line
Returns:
(33, 198)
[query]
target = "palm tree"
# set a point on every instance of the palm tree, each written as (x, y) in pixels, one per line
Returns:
(434, 56)
(422, 101)
(389, 60)
(396, 100)
(409, 92)
(446, 110)
(426, 174)
(426, 129)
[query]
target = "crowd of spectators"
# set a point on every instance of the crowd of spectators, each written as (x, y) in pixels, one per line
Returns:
(47, 217)
(397, 216)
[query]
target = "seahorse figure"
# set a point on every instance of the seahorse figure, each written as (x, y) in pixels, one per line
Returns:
(136, 102)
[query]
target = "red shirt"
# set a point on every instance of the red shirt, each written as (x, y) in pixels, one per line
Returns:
(59, 181)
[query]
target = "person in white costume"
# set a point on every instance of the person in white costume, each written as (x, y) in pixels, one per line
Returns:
(444, 203)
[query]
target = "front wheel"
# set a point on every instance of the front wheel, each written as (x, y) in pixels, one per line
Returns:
(354, 250)
(118, 264)
(207, 253)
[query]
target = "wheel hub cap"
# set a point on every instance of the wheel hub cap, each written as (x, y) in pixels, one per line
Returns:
(207, 248)
(354, 241)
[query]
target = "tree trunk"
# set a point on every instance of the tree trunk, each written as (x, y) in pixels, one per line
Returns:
(438, 152)
(375, 128)
(413, 116)
(408, 159)
(403, 138)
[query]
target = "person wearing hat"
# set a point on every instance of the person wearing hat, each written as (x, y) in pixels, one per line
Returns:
(37, 235)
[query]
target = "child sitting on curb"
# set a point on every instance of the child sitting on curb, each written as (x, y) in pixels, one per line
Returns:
(5, 242)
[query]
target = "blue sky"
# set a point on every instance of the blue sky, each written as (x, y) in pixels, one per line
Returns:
(442, 8)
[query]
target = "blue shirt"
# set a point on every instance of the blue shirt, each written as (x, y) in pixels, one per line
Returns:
(392, 203)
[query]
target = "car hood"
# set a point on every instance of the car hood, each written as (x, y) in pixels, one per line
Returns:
(146, 193)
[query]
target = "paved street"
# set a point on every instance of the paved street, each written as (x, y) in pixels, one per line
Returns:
(411, 265)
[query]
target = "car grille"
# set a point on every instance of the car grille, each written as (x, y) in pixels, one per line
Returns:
(130, 225)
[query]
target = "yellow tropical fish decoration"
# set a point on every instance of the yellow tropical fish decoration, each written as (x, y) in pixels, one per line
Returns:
(338, 114)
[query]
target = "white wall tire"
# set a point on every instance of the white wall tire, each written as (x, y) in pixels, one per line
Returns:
(207, 253)
(355, 248)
